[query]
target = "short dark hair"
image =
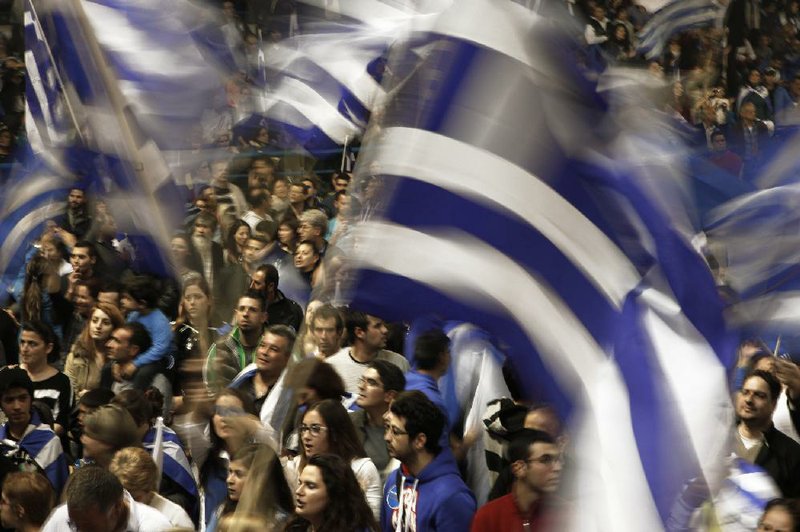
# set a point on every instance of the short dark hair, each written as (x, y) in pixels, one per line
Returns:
(206, 219)
(137, 405)
(271, 275)
(142, 288)
(326, 312)
(92, 486)
(355, 319)
(252, 293)
(258, 196)
(422, 417)
(88, 245)
(140, 337)
(96, 398)
(284, 331)
(391, 376)
(520, 445)
(429, 348)
(45, 332)
(325, 380)
(11, 378)
(769, 378)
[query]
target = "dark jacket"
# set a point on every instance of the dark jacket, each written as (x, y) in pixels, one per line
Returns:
(780, 457)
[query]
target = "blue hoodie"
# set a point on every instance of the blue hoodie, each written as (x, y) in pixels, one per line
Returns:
(436, 500)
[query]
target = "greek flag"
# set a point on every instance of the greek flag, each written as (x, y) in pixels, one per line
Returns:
(675, 17)
(519, 204)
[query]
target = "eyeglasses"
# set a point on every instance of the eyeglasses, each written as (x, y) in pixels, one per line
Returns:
(369, 382)
(547, 460)
(394, 430)
(314, 428)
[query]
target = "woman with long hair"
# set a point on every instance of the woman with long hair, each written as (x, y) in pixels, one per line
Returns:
(256, 486)
(287, 234)
(41, 280)
(88, 354)
(236, 238)
(326, 428)
(328, 499)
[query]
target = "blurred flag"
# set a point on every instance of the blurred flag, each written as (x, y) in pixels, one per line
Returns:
(675, 17)
(519, 204)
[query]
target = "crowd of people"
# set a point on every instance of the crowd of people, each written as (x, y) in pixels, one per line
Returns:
(238, 393)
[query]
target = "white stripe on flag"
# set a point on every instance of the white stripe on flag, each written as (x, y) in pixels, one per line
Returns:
(24, 227)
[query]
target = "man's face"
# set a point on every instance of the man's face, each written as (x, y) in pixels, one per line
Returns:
(8, 513)
(128, 304)
(308, 231)
(219, 171)
(310, 189)
(754, 402)
(754, 78)
(16, 405)
(339, 184)
(82, 262)
(83, 300)
(272, 354)
(251, 251)
(258, 281)
(748, 111)
(119, 346)
(249, 314)
(376, 335)
(541, 472)
(396, 437)
(342, 204)
(326, 335)
(718, 143)
(370, 389)
(112, 298)
(76, 199)
(202, 229)
(33, 350)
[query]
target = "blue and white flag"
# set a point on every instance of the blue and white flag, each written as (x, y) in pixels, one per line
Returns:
(676, 17)
(519, 204)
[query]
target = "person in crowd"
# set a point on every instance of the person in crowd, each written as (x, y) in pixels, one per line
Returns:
(427, 487)
(328, 498)
(235, 240)
(431, 362)
(225, 191)
(76, 222)
(287, 235)
(340, 206)
(297, 199)
(83, 260)
(110, 292)
(757, 440)
(264, 380)
(180, 245)
(339, 182)
(123, 346)
(313, 227)
(280, 199)
(23, 437)
(138, 474)
(259, 200)
(205, 256)
(40, 289)
(229, 355)
(234, 279)
(38, 349)
(27, 499)
(326, 428)
(750, 135)
(368, 335)
(103, 235)
(308, 263)
(106, 430)
(780, 515)
(722, 157)
(88, 403)
(280, 309)
(256, 487)
(535, 462)
(755, 92)
(84, 298)
(139, 301)
(779, 98)
(89, 352)
(377, 388)
(96, 500)
(227, 437)
(177, 482)
(327, 329)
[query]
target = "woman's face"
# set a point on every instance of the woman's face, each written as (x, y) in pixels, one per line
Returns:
(311, 494)
(241, 235)
(285, 234)
(314, 434)
(195, 302)
(619, 33)
(305, 258)
(100, 326)
(224, 407)
(281, 190)
(777, 519)
(237, 477)
(50, 252)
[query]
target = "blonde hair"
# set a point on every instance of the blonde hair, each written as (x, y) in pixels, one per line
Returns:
(135, 469)
(33, 492)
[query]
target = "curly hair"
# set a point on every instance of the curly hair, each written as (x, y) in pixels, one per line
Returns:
(347, 509)
(84, 346)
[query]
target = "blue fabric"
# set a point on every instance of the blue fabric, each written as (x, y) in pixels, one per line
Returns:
(160, 331)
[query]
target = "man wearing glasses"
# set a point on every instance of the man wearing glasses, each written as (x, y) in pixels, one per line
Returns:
(426, 492)
(536, 465)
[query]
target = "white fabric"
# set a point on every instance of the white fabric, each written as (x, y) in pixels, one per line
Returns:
(142, 518)
(176, 514)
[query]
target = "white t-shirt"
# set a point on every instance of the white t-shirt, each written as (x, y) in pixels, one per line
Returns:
(176, 514)
(141, 518)
(351, 370)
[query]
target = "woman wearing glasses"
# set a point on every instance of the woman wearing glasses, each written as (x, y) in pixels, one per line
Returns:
(326, 428)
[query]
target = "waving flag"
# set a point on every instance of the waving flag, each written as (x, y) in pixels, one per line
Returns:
(519, 204)
(675, 17)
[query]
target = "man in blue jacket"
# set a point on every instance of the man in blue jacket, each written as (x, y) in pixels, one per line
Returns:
(426, 492)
